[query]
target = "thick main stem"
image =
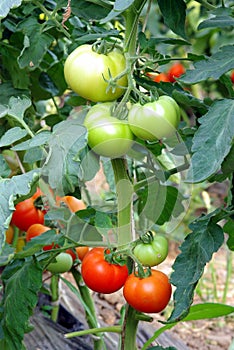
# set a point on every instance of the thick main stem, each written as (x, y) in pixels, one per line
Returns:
(124, 191)
(128, 341)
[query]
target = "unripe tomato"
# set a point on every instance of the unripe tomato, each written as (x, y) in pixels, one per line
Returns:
(154, 120)
(63, 263)
(149, 294)
(157, 77)
(26, 214)
(176, 70)
(101, 276)
(86, 71)
(153, 253)
(107, 136)
(73, 203)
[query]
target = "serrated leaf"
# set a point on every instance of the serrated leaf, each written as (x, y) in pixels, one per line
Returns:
(23, 281)
(9, 188)
(34, 155)
(89, 164)
(212, 141)
(67, 140)
(196, 251)
(17, 107)
(212, 67)
(6, 92)
(174, 14)
(173, 205)
(7, 5)
(6, 255)
(12, 135)
(4, 168)
(221, 17)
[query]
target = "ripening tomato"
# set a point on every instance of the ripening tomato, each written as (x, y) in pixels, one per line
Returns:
(9, 234)
(107, 135)
(87, 72)
(154, 120)
(176, 70)
(232, 77)
(63, 263)
(153, 253)
(78, 252)
(26, 214)
(157, 77)
(101, 276)
(73, 203)
(149, 294)
(36, 230)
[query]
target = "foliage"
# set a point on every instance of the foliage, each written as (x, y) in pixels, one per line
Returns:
(44, 143)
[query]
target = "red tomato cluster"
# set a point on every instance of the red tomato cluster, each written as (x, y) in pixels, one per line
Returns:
(175, 71)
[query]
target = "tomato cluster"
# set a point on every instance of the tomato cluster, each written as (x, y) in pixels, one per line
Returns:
(175, 71)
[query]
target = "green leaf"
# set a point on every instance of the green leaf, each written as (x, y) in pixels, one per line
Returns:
(12, 135)
(196, 251)
(174, 14)
(4, 168)
(207, 311)
(89, 10)
(103, 223)
(6, 92)
(119, 7)
(9, 188)
(212, 67)
(66, 142)
(23, 280)
(228, 163)
(212, 141)
(159, 347)
(17, 107)
(229, 229)
(173, 205)
(7, 5)
(6, 255)
(219, 18)
(89, 164)
(38, 140)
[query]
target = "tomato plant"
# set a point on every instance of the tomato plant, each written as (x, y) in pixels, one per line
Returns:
(107, 135)
(157, 77)
(36, 230)
(87, 72)
(152, 253)
(63, 263)
(26, 214)
(148, 294)
(100, 275)
(175, 71)
(154, 120)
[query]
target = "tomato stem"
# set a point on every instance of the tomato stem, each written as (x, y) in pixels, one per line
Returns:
(124, 191)
(130, 324)
(112, 329)
(54, 288)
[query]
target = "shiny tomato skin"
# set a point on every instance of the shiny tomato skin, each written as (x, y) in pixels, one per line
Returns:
(150, 294)
(62, 264)
(154, 120)
(232, 77)
(176, 70)
(153, 253)
(36, 230)
(73, 203)
(79, 252)
(107, 135)
(86, 71)
(26, 214)
(101, 276)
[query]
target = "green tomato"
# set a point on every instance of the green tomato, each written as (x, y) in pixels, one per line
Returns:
(62, 264)
(86, 71)
(107, 136)
(154, 120)
(152, 254)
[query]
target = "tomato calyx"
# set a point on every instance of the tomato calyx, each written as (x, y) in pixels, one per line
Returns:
(147, 237)
(115, 257)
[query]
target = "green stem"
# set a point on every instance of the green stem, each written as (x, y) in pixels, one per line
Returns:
(206, 5)
(112, 329)
(124, 191)
(128, 341)
(90, 313)
(54, 288)
(229, 274)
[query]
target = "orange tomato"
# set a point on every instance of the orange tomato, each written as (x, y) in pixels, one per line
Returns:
(176, 70)
(157, 77)
(79, 251)
(9, 234)
(73, 203)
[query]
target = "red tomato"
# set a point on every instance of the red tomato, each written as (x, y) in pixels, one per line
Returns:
(73, 203)
(79, 252)
(150, 294)
(176, 70)
(158, 77)
(101, 276)
(26, 214)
